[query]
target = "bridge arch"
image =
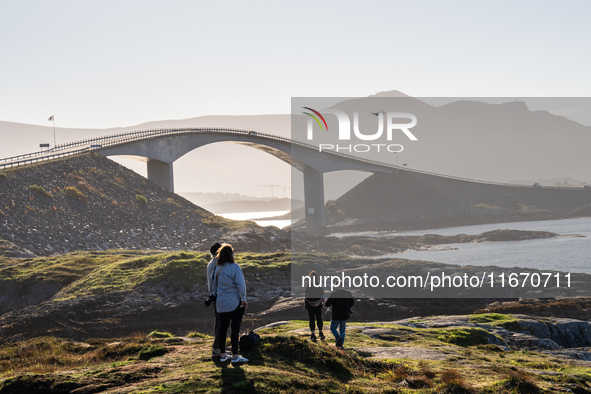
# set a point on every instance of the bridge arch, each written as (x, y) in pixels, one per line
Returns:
(161, 151)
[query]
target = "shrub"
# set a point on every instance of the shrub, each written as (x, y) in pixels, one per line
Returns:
(141, 199)
(452, 382)
(76, 178)
(519, 382)
(41, 190)
(160, 334)
(173, 202)
(117, 351)
(425, 370)
(152, 351)
(85, 186)
(76, 194)
(3, 175)
(332, 209)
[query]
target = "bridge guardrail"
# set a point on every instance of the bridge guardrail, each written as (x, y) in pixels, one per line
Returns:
(142, 135)
(37, 159)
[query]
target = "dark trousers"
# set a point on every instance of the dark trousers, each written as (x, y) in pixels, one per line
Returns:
(315, 315)
(230, 319)
(216, 344)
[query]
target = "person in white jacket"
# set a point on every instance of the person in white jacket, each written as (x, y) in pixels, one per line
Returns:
(229, 287)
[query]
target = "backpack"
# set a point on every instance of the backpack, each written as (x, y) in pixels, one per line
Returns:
(248, 340)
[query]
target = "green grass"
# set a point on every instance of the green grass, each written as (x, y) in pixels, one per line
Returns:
(215, 221)
(284, 328)
(62, 269)
(282, 362)
(183, 268)
(47, 354)
(264, 263)
(160, 334)
(141, 199)
(95, 273)
(152, 351)
(195, 334)
(76, 194)
(41, 190)
(464, 337)
(495, 319)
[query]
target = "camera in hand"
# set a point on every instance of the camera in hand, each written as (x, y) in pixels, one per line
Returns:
(209, 300)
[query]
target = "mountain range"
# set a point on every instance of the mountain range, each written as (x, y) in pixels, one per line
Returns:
(465, 138)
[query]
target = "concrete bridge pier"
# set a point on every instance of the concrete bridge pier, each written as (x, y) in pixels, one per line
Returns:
(160, 172)
(314, 199)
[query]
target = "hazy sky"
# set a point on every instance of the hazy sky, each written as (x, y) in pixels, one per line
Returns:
(97, 64)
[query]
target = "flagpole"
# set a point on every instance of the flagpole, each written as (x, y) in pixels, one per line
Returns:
(54, 143)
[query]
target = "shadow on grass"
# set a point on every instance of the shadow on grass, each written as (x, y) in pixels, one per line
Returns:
(233, 378)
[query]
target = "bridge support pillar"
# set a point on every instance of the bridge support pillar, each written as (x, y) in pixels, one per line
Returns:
(161, 173)
(314, 199)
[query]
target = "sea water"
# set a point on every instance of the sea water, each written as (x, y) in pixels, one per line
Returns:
(565, 253)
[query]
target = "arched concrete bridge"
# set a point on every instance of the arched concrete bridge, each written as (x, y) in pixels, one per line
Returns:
(160, 148)
(160, 151)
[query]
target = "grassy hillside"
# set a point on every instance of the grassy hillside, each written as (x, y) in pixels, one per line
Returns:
(83, 274)
(92, 332)
(285, 361)
(113, 293)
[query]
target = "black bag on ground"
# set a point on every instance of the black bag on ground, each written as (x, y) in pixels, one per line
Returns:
(248, 340)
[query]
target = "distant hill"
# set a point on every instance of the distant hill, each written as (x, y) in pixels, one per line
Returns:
(203, 199)
(88, 202)
(466, 138)
(280, 204)
(474, 139)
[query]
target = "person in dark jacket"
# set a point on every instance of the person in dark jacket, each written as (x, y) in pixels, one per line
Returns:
(215, 351)
(341, 301)
(314, 303)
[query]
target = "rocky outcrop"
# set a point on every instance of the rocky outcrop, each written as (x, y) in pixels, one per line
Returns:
(558, 336)
(115, 209)
(382, 245)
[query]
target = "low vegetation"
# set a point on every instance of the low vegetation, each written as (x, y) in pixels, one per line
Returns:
(214, 221)
(283, 361)
(160, 334)
(41, 190)
(141, 199)
(76, 194)
(82, 274)
(195, 334)
(151, 352)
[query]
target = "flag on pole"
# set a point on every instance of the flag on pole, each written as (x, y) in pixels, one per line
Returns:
(50, 118)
